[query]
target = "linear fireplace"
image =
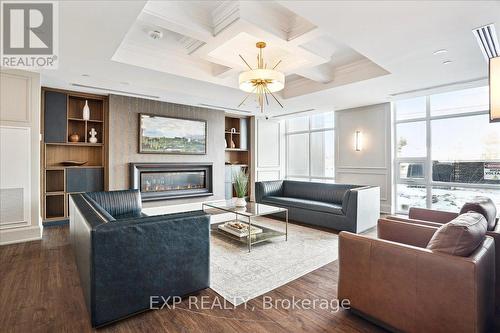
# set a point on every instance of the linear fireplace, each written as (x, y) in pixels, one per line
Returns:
(160, 181)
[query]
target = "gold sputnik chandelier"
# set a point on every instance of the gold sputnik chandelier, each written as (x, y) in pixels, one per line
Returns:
(261, 80)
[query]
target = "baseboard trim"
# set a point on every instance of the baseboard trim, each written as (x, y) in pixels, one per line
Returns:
(56, 223)
(20, 235)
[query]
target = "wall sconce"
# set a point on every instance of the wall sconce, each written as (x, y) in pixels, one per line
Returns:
(494, 89)
(358, 141)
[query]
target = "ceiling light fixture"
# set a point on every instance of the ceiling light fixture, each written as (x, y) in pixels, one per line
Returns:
(494, 69)
(440, 51)
(261, 80)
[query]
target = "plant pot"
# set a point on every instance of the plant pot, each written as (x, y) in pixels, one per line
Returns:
(240, 202)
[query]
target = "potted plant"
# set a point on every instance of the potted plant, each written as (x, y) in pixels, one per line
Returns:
(240, 184)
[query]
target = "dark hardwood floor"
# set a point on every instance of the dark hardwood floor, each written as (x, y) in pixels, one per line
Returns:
(40, 292)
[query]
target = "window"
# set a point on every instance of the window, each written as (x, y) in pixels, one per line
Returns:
(322, 154)
(462, 101)
(410, 140)
(411, 108)
(465, 139)
(297, 161)
(446, 150)
(310, 148)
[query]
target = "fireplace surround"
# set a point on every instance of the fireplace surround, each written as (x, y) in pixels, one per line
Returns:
(163, 181)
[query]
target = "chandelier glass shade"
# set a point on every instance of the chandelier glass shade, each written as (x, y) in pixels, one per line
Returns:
(261, 80)
(274, 80)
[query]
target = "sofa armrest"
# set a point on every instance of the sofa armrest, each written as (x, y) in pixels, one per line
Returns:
(404, 232)
(268, 188)
(414, 289)
(151, 256)
(431, 215)
(361, 205)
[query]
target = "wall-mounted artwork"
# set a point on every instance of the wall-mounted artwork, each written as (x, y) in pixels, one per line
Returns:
(166, 135)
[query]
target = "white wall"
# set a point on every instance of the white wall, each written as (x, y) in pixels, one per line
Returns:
(20, 218)
(267, 136)
(372, 165)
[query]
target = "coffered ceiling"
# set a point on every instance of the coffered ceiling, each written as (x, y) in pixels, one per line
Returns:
(203, 40)
(335, 54)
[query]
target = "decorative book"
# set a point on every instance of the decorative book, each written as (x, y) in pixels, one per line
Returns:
(239, 229)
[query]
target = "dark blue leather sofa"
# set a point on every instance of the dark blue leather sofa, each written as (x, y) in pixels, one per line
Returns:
(342, 207)
(125, 257)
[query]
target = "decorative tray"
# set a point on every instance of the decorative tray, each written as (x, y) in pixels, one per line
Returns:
(73, 163)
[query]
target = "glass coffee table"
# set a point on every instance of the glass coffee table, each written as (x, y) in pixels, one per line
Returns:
(254, 233)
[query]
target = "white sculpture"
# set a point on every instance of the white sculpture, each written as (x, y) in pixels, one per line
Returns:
(86, 111)
(93, 134)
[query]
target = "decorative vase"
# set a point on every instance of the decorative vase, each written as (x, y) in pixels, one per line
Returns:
(225, 143)
(233, 145)
(93, 134)
(86, 111)
(240, 202)
(74, 137)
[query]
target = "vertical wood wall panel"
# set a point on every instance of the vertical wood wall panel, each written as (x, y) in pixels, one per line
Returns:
(124, 142)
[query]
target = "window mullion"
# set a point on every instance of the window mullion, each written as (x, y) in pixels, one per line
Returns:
(428, 143)
(309, 139)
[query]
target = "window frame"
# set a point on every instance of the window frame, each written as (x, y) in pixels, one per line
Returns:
(309, 132)
(427, 160)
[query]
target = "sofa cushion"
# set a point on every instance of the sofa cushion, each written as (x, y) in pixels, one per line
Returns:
(331, 193)
(483, 206)
(305, 204)
(461, 236)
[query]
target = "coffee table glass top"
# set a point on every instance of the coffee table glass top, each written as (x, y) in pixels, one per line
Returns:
(251, 209)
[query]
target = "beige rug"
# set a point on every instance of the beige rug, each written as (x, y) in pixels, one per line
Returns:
(239, 276)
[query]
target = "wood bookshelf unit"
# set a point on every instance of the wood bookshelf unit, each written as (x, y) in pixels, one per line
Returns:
(62, 116)
(237, 152)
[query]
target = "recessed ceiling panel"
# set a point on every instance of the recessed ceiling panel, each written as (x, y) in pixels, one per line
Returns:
(203, 40)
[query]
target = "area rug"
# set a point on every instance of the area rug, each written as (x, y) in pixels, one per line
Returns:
(239, 276)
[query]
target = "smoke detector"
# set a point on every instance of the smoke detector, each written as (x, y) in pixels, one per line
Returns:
(155, 34)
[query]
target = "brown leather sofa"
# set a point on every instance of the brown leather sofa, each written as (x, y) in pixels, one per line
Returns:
(397, 283)
(437, 218)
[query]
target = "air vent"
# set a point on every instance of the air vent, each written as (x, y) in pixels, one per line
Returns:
(293, 113)
(119, 92)
(488, 41)
(223, 108)
(440, 88)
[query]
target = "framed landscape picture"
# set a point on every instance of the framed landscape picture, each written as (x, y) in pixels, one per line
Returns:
(166, 135)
